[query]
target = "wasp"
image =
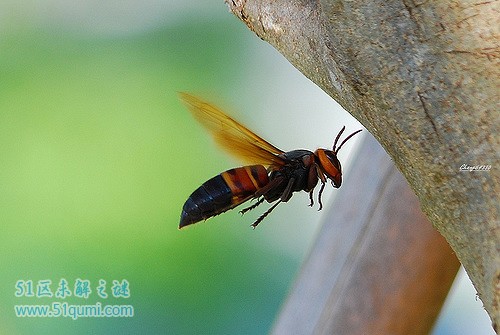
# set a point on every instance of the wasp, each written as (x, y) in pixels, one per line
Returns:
(274, 177)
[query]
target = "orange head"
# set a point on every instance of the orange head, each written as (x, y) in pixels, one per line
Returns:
(328, 161)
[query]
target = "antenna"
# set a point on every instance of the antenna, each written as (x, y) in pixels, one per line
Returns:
(345, 140)
(337, 138)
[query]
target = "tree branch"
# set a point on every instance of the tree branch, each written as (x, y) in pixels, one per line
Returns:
(423, 78)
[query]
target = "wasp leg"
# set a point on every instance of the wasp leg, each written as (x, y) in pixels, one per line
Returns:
(319, 196)
(244, 210)
(272, 184)
(263, 216)
(287, 193)
(322, 179)
(312, 181)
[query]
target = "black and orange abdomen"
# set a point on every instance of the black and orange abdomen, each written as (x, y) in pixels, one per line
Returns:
(223, 192)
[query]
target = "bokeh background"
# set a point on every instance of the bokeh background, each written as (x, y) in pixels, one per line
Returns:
(97, 157)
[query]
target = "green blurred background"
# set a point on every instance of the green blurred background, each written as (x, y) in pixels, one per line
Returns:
(97, 157)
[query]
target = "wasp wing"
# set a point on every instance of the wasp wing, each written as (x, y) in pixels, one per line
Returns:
(231, 135)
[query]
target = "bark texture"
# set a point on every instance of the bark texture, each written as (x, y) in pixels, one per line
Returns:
(424, 78)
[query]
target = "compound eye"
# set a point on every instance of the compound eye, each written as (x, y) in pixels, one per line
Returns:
(334, 160)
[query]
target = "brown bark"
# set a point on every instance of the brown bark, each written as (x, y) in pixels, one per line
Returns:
(423, 77)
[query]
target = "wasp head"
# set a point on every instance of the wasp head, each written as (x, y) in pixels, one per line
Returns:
(328, 161)
(330, 165)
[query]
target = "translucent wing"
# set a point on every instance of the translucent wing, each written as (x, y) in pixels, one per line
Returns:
(231, 135)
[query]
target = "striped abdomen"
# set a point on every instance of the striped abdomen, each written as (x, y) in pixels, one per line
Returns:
(223, 192)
